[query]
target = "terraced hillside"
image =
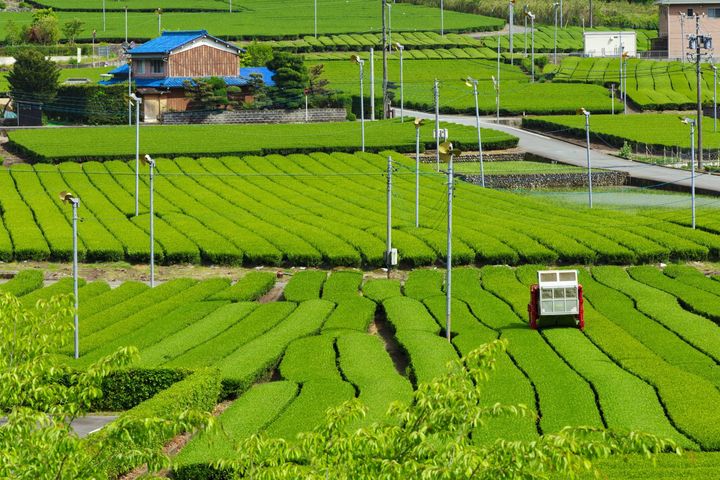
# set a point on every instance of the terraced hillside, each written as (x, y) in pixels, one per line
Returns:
(317, 209)
(647, 360)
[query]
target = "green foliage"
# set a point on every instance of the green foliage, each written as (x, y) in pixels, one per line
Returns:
(424, 283)
(207, 93)
(128, 387)
(72, 29)
(257, 54)
(43, 29)
(250, 287)
(23, 283)
(352, 313)
(305, 285)
(427, 437)
(291, 80)
(33, 77)
(182, 407)
(379, 290)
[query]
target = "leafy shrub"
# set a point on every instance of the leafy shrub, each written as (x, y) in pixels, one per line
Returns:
(305, 285)
(250, 287)
(23, 283)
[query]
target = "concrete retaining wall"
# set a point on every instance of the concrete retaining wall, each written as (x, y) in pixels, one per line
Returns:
(550, 180)
(314, 115)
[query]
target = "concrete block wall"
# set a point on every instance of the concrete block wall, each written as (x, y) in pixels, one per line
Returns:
(314, 115)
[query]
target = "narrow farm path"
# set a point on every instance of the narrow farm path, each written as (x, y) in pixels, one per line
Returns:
(566, 152)
(8, 158)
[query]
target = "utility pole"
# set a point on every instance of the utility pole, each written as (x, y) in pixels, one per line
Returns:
(418, 123)
(697, 43)
(448, 280)
(510, 28)
(372, 83)
(591, 14)
(587, 153)
(442, 18)
(315, 18)
(436, 92)
(388, 246)
(126, 24)
(682, 35)
(691, 122)
(74, 201)
(384, 58)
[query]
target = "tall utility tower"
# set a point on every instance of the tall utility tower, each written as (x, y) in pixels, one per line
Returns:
(384, 58)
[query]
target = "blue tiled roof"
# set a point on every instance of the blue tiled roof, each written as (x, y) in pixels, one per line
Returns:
(121, 70)
(169, 41)
(172, 82)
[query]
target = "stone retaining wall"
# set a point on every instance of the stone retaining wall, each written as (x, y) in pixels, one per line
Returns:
(314, 115)
(474, 157)
(550, 180)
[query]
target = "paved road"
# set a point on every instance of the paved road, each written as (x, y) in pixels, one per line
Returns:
(84, 426)
(565, 152)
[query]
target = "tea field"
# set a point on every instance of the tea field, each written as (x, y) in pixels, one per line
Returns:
(107, 143)
(264, 20)
(647, 359)
(517, 94)
(312, 209)
(653, 130)
(651, 85)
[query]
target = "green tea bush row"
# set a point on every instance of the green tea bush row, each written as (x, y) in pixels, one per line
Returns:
(691, 276)
(421, 284)
(150, 332)
(136, 243)
(380, 289)
(310, 407)
(206, 329)
(219, 345)
(365, 364)
(342, 285)
(565, 397)
(619, 307)
(110, 298)
(305, 285)
(23, 283)
(128, 387)
(355, 313)
(102, 341)
(253, 360)
(664, 309)
(248, 415)
(696, 300)
(131, 300)
(100, 245)
(310, 359)
(28, 240)
(250, 287)
(64, 286)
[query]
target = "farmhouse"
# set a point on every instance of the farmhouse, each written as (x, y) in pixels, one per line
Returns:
(677, 21)
(161, 66)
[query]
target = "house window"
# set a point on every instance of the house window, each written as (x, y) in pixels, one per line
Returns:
(714, 12)
(157, 66)
(139, 67)
(690, 12)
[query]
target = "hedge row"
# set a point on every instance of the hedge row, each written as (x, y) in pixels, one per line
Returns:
(305, 285)
(253, 360)
(199, 391)
(261, 320)
(64, 286)
(102, 303)
(23, 283)
(125, 389)
(250, 287)
(216, 324)
(691, 276)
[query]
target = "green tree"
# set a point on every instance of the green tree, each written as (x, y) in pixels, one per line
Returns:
(431, 438)
(257, 54)
(40, 397)
(13, 33)
(291, 80)
(33, 77)
(207, 93)
(258, 93)
(72, 29)
(44, 28)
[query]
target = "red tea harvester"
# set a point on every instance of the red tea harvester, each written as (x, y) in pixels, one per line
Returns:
(556, 293)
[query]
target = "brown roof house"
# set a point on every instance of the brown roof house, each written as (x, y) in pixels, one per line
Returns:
(677, 21)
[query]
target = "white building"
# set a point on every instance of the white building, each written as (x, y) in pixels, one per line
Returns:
(607, 44)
